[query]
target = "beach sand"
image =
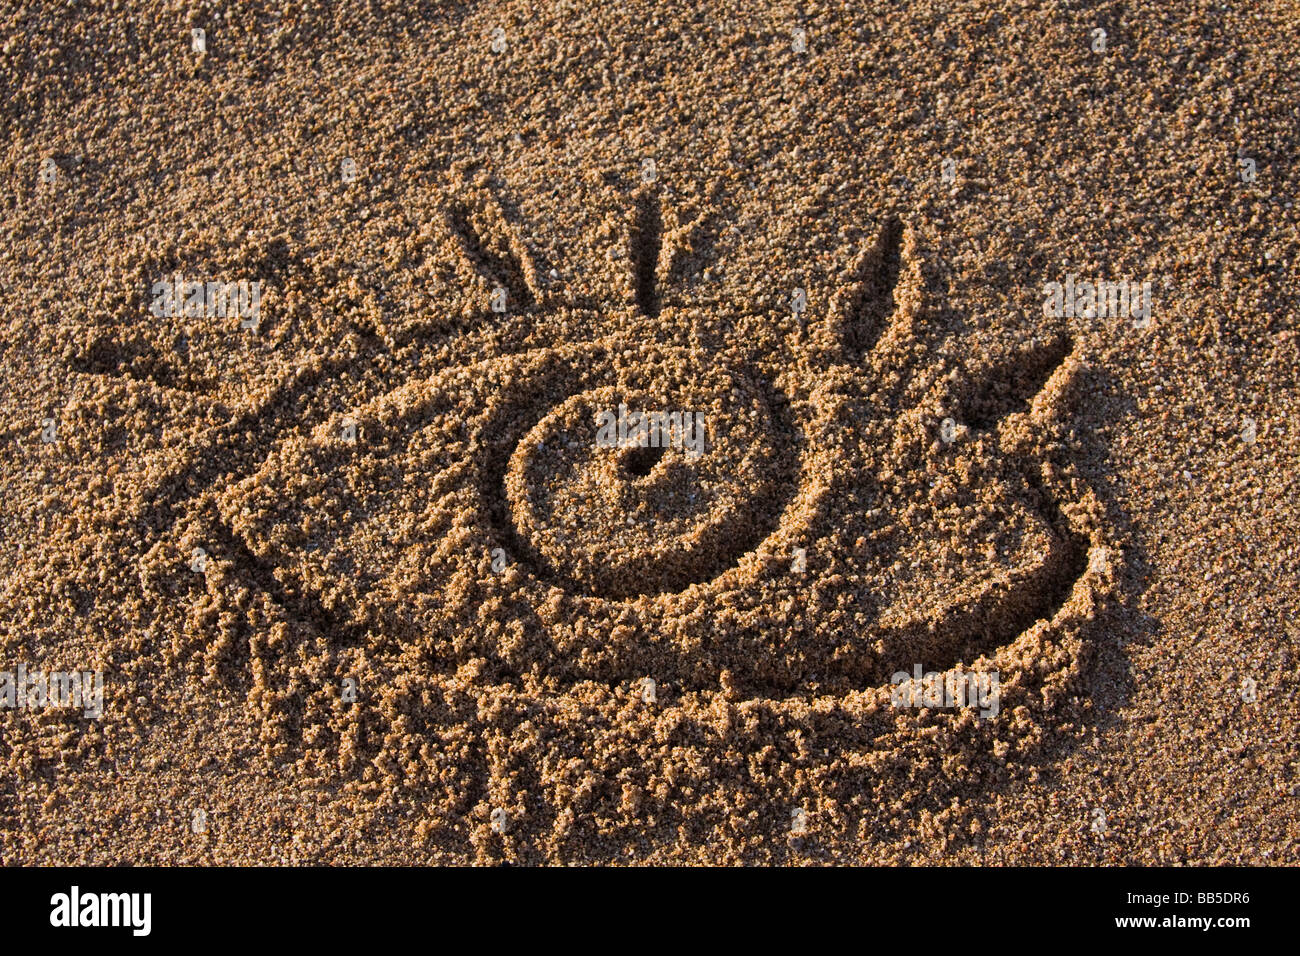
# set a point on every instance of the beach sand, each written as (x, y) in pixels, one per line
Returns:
(363, 586)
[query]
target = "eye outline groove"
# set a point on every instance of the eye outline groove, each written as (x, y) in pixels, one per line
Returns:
(1028, 369)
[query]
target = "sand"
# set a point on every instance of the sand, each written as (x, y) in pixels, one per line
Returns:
(364, 588)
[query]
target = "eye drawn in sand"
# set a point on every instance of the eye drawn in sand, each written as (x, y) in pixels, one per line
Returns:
(861, 506)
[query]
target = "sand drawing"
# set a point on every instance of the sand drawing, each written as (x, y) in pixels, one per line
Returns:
(858, 509)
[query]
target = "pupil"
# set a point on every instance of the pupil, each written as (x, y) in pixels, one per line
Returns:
(639, 461)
